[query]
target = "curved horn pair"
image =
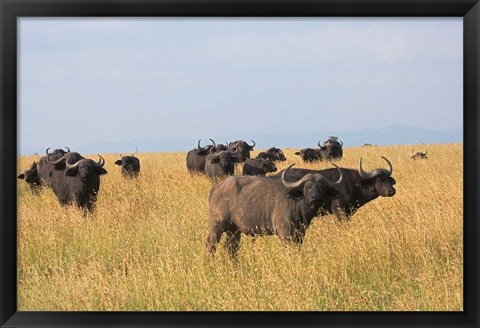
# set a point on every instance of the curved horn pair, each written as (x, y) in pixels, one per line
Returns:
(310, 176)
(374, 173)
(100, 163)
(46, 150)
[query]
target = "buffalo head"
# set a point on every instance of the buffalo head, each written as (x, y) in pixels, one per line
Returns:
(85, 168)
(380, 179)
(31, 176)
(313, 188)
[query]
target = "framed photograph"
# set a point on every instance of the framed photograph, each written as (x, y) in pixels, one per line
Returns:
(141, 183)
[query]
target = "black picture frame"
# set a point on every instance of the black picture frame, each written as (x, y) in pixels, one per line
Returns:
(10, 10)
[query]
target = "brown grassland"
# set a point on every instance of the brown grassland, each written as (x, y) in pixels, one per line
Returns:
(143, 248)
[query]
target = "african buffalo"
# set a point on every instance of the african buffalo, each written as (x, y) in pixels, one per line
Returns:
(130, 166)
(220, 163)
(274, 154)
(258, 166)
(419, 155)
(196, 158)
(31, 177)
(309, 154)
(242, 149)
(331, 148)
(78, 183)
(357, 188)
(43, 170)
(256, 205)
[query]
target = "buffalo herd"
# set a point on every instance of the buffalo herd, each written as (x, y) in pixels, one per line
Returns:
(281, 204)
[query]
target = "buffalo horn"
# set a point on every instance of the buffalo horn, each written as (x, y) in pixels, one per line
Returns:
(54, 162)
(46, 151)
(310, 176)
(374, 173)
(214, 144)
(253, 144)
(198, 144)
(101, 162)
(68, 149)
(72, 166)
(341, 143)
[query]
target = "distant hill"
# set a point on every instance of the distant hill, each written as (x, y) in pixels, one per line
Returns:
(392, 135)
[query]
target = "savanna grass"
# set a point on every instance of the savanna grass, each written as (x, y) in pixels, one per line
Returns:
(143, 248)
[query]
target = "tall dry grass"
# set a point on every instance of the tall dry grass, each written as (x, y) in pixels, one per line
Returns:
(144, 246)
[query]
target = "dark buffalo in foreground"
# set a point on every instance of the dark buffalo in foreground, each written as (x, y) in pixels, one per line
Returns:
(31, 177)
(196, 158)
(242, 149)
(130, 166)
(419, 155)
(258, 166)
(78, 183)
(264, 206)
(220, 163)
(357, 188)
(274, 154)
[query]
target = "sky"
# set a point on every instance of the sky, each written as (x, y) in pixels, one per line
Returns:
(87, 80)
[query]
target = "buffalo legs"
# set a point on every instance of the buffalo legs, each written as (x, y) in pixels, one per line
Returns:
(232, 241)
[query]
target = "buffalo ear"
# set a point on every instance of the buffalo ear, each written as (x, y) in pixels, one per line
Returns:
(297, 153)
(296, 194)
(21, 176)
(71, 172)
(118, 162)
(100, 171)
(392, 180)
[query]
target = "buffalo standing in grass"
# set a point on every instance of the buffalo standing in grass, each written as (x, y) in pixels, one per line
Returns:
(309, 154)
(31, 178)
(258, 166)
(39, 172)
(330, 149)
(357, 188)
(419, 155)
(196, 158)
(130, 166)
(79, 182)
(242, 149)
(274, 154)
(220, 163)
(264, 206)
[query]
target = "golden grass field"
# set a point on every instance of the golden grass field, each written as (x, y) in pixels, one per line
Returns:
(143, 248)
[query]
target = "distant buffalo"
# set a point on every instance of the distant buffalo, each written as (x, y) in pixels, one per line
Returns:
(221, 163)
(242, 149)
(196, 158)
(258, 166)
(356, 189)
(31, 178)
(330, 149)
(274, 154)
(130, 166)
(79, 182)
(256, 206)
(419, 155)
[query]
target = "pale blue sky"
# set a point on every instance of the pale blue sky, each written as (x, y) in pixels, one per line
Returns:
(84, 80)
